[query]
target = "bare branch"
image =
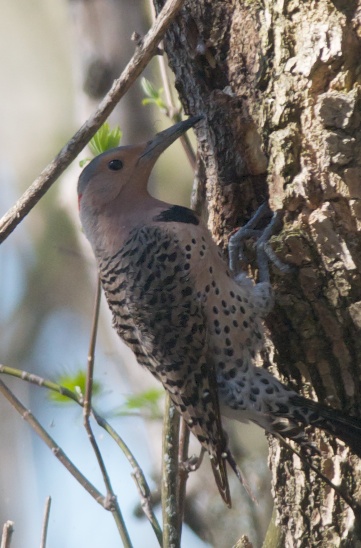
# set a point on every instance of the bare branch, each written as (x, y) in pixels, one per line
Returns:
(111, 497)
(183, 472)
(44, 531)
(173, 421)
(173, 112)
(56, 450)
(68, 153)
(91, 353)
(170, 476)
(43, 383)
(137, 473)
(8, 530)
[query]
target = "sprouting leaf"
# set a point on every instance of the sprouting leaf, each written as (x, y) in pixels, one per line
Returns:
(104, 139)
(153, 95)
(149, 89)
(85, 161)
(145, 403)
(75, 382)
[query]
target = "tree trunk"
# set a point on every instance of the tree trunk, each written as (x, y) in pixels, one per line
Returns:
(279, 84)
(102, 32)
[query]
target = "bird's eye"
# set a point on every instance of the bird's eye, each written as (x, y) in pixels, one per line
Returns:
(115, 165)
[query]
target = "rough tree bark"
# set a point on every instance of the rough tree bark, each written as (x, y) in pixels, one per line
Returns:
(279, 83)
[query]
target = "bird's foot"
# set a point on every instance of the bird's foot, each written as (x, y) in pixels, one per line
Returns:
(264, 251)
(194, 462)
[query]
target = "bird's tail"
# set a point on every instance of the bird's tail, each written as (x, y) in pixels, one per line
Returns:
(336, 423)
(221, 477)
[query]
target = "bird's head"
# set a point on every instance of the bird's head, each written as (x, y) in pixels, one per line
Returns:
(124, 171)
(115, 182)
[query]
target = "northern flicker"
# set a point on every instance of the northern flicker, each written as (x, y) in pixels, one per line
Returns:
(174, 302)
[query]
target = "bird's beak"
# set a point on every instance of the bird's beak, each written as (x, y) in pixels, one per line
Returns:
(165, 138)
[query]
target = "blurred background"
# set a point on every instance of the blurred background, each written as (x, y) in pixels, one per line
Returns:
(58, 59)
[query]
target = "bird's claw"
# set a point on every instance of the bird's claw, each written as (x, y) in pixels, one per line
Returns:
(265, 253)
(194, 462)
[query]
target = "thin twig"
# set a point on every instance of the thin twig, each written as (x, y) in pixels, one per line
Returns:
(173, 112)
(56, 450)
(355, 507)
(111, 497)
(7, 534)
(172, 418)
(43, 383)
(163, 72)
(44, 530)
(68, 153)
(91, 353)
(183, 472)
(137, 474)
(170, 476)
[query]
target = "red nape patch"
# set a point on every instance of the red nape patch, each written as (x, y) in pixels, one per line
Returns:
(79, 198)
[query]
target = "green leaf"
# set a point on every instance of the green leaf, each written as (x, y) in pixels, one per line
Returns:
(149, 89)
(153, 95)
(104, 139)
(148, 101)
(85, 161)
(75, 382)
(147, 402)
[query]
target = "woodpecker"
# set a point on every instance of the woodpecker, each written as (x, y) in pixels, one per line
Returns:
(198, 329)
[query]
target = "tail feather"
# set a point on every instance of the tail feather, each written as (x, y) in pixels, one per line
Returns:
(336, 423)
(219, 467)
(221, 477)
(238, 473)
